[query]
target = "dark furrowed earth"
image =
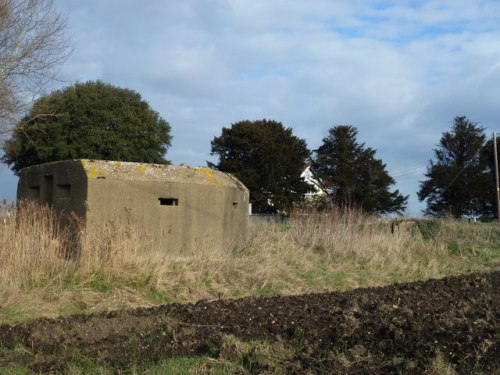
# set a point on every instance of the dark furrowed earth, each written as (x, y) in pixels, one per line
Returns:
(398, 329)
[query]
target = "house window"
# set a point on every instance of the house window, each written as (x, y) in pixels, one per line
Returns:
(168, 201)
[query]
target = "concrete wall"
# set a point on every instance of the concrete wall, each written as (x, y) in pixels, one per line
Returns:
(62, 185)
(180, 210)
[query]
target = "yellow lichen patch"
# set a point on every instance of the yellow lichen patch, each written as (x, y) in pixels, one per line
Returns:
(95, 172)
(140, 168)
(118, 164)
(209, 175)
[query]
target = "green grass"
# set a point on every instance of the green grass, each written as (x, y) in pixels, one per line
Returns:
(268, 290)
(236, 356)
(72, 309)
(15, 370)
(17, 314)
(189, 365)
(159, 296)
(172, 366)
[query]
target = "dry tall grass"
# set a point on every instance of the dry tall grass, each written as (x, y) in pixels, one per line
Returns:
(117, 268)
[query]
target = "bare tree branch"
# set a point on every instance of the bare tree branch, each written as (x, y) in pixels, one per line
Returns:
(32, 46)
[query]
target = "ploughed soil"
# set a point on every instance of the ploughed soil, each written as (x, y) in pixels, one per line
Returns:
(398, 329)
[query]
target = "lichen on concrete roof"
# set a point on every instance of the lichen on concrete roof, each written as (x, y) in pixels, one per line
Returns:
(161, 172)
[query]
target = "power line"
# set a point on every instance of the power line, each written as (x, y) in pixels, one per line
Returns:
(410, 172)
(497, 182)
(463, 169)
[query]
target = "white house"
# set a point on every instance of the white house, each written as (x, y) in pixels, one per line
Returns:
(308, 177)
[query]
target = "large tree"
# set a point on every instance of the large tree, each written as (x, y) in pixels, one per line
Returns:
(490, 202)
(459, 180)
(267, 158)
(32, 44)
(352, 176)
(90, 120)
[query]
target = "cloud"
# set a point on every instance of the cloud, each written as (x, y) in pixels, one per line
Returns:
(398, 71)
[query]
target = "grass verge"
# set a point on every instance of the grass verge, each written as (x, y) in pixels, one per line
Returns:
(311, 253)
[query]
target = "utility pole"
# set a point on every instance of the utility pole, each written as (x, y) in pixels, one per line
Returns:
(497, 180)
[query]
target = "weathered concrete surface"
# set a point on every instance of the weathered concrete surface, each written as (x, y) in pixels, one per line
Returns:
(178, 209)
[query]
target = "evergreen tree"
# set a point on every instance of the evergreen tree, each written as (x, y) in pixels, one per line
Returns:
(267, 158)
(90, 120)
(458, 181)
(352, 176)
(489, 208)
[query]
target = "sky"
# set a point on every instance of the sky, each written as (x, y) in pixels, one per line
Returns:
(398, 71)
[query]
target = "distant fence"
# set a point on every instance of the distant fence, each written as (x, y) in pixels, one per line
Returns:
(267, 219)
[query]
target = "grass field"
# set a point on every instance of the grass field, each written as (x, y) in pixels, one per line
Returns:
(311, 253)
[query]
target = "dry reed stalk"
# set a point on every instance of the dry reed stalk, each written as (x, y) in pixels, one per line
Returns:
(351, 234)
(31, 246)
(116, 266)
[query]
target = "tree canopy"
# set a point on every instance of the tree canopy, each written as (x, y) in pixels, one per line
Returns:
(460, 181)
(91, 120)
(267, 158)
(352, 176)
